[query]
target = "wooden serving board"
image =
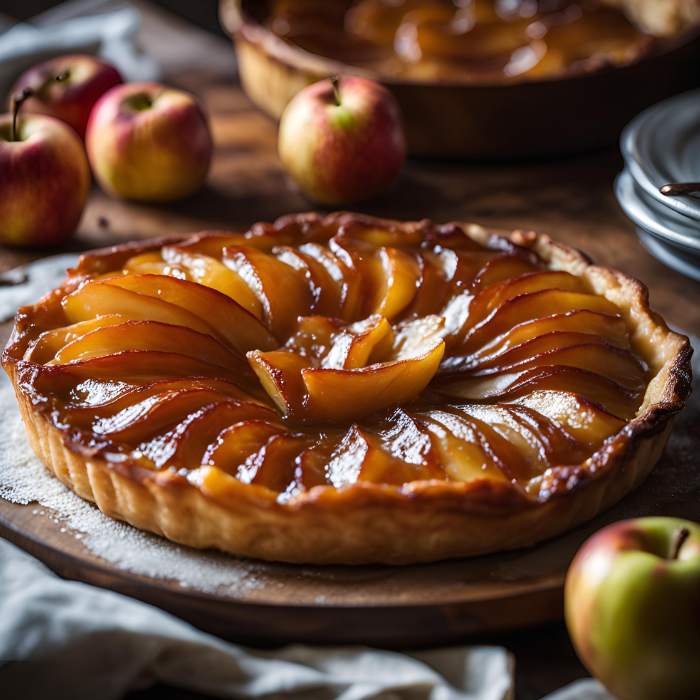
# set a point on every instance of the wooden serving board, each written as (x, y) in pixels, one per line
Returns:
(410, 606)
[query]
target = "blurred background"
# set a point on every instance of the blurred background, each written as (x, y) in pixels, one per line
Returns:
(202, 12)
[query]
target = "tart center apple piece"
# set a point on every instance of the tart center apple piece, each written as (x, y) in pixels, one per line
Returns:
(330, 389)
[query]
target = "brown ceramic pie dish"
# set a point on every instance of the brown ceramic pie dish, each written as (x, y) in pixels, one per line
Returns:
(579, 107)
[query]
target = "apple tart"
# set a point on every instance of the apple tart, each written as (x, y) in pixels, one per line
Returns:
(346, 389)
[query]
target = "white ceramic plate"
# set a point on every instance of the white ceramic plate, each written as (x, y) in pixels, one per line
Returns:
(662, 145)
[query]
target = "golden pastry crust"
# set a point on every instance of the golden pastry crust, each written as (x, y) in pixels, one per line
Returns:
(662, 18)
(378, 517)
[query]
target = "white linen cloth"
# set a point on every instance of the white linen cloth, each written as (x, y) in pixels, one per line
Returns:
(111, 35)
(93, 643)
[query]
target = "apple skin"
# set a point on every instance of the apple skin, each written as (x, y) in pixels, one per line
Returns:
(147, 142)
(84, 79)
(633, 612)
(342, 149)
(44, 181)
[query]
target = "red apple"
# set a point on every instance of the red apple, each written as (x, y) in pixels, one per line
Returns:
(632, 600)
(148, 142)
(44, 180)
(67, 87)
(342, 140)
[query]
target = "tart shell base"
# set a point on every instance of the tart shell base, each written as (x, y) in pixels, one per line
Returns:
(413, 533)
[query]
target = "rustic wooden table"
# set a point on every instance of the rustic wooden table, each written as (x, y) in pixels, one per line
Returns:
(570, 199)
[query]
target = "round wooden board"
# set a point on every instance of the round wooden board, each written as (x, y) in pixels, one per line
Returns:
(410, 606)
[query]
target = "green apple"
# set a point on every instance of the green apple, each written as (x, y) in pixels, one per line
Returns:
(632, 604)
(342, 140)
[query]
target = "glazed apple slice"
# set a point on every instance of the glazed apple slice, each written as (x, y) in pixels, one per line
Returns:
(141, 366)
(523, 352)
(529, 307)
(389, 236)
(280, 373)
(538, 441)
(606, 360)
(143, 420)
(325, 293)
(400, 275)
(99, 299)
(588, 422)
(346, 280)
(185, 446)
(496, 294)
(612, 329)
(360, 457)
(504, 266)
(274, 464)
(48, 344)
(360, 344)
(212, 273)
(506, 387)
(238, 442)
(106, 398)
(238, 328)
(282, 291)
(150, 335)
(368, 389)
(459, 448)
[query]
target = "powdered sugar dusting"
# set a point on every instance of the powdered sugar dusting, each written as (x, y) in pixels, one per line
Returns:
(24, 479)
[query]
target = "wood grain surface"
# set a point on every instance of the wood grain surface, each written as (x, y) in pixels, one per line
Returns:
(570, 199)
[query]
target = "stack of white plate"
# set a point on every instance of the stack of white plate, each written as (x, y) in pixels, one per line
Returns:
(662, 146)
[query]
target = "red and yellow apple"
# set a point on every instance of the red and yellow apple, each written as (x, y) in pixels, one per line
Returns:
(148, 142)
(632, 601)
(44, 180)
(342, 140)
(67, 87)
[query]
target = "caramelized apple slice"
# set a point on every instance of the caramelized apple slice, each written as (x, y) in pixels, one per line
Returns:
(96, 299)
(325, 293)
(185, 446)
(606, 360)
(105, 398)
(150, 335)
(49, 343)
(459, 448)
(211, 272)
(238, 328)
(346, 280)
(612, 329)
(401, 274)
(235, 444)
(360, 457)
(538, 441)
(504, 266)
(589, 423)
(369, 389)
(528, 307)
(280, 373)
(496, 294)
(141, 421)
(273, 465)
(141, 366)
(280, 289)
(360, 344)
(504, 387)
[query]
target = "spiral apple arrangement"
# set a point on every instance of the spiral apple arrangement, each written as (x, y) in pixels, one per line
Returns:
(143, 141)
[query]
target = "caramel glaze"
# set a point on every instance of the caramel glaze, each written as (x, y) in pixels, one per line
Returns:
(328, 351)
(461, 40)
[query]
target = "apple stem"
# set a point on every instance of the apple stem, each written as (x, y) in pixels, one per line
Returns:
(61, 77)
(17, 101)
(679, 537)
(336, 89)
